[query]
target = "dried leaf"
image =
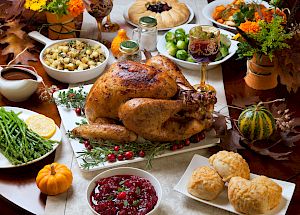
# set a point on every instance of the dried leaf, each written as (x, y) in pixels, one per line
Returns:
(295, 123)
(220, 124)
(231, 141)
(15, 28)
(288, 139)
(267, 152)
(244, 101)
(276, 109)
(11, 8)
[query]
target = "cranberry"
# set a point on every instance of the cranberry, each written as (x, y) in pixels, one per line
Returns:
(89, 147)
(78, 111)
(142, 153)
(117, 148)
(122, 195)
(174, 147)
(200, 136)
(111, 157)
(180, 146)
(187, 142)
(128, 155)
(120, 157)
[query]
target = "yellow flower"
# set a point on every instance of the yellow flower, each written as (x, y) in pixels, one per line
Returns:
(35, 4)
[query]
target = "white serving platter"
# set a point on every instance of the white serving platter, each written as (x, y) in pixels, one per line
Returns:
(161, 47)
(209, 9)
(4, 162)
(69, 120)
(125, 15)
(222, 200)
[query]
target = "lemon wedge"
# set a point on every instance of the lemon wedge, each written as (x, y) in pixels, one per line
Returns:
(41, 125)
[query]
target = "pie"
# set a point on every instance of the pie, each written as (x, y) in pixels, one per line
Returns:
(168, 13)
(205, 183)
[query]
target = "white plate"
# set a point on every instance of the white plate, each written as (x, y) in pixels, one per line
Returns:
(4, 163)
(209, 9)
(125, 15)
(222, 200)
(161, 47)
(69, 119)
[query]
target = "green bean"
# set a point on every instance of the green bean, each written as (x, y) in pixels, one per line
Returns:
(18, 143)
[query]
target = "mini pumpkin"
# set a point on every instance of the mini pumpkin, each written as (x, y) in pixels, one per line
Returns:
(115, 44)
(54, 179)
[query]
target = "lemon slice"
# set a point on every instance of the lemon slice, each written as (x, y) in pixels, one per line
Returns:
(41, 125)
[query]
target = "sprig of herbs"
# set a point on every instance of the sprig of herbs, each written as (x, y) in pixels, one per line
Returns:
(101, 148)
(72, 98)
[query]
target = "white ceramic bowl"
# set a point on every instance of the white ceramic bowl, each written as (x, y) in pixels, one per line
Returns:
(161, 47)
(208, 10)
(126, 171)
(70, 76)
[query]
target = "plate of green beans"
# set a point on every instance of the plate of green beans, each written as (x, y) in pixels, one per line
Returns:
(19, 145)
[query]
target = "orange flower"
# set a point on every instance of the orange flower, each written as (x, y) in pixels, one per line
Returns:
(75, 7)
(250, 27)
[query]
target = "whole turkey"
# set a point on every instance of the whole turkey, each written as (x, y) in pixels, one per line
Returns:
(152, 100)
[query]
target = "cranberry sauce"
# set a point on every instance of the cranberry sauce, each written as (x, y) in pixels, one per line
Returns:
(123, 195)
(159, 7)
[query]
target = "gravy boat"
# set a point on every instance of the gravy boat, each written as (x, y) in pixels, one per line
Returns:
(18, 90)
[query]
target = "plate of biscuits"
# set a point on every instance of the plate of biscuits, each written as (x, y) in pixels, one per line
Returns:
(168, 13)
(224, 181)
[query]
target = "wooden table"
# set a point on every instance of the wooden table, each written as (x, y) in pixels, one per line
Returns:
(18, 184)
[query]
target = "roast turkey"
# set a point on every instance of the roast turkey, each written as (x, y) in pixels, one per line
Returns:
(152, 100)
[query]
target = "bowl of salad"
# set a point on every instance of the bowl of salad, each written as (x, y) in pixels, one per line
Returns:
(174, 45)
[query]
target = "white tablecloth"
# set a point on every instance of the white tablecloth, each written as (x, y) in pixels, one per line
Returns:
(168, 170)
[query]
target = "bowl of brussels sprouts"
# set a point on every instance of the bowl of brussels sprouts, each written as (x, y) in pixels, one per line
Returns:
(174, 45)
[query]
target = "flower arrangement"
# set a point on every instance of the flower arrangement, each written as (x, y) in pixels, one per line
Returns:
(58, 7)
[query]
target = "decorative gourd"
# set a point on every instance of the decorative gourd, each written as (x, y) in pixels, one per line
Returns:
(54, 179)
(115, 44)
(256, 123)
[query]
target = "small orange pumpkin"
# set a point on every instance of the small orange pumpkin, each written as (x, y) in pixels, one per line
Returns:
(115, 44)
(54, 179)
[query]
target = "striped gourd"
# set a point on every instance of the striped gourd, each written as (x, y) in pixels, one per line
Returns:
(256, 123)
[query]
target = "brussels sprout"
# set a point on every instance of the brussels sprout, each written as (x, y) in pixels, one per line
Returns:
(180, 36)
(181, 45)
(181, 54)
(168, 44)
(180, 31)
(187, 39)
(172, 49)
(190, 59)
(170, 36)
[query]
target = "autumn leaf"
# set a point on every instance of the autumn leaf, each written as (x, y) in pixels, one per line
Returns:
(219, 124)
(15, 28)
(11, 8)
(231, 141)
(244, 101)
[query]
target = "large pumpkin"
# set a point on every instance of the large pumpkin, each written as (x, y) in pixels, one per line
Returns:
(256, 123)
(54, 179)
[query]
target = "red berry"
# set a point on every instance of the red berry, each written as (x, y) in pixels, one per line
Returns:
(200, 136)
(86, 143)
(111, 157)
(120, 157)
(174, 147)
(187, 142)
(128, 155)
(78, 111)
(121, 195)
(142, 153)
(89, 147)
(180, 146)
(116, 148)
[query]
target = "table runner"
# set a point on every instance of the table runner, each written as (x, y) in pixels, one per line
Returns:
(168, 170)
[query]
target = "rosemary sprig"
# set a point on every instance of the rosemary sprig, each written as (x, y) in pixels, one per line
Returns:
(101, 148)
(72, 98)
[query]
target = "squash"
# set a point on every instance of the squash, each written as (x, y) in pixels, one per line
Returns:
(115, 44)
(54, 179)
(256, 123)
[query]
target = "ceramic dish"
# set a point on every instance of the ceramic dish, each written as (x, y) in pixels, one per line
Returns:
(69, 120)
(208, 10)
(222, 200)
(125, 15)
(126, 171)
(4, 163)
(161, 47)
(70, 76)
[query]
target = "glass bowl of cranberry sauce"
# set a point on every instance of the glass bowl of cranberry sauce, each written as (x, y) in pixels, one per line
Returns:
(124, 190)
